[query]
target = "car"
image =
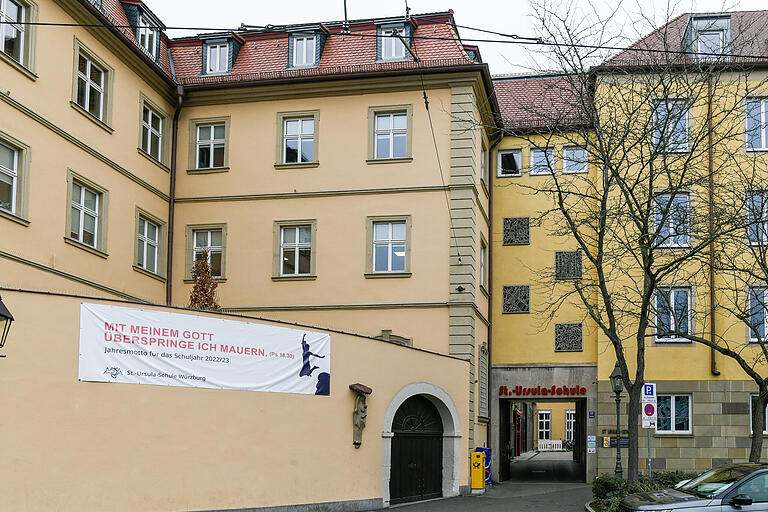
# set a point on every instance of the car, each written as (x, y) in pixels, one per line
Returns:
(729, 488)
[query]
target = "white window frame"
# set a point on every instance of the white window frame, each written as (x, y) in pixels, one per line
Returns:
(765, 428)
(147, 33)
(670, 220)
(307, 59)
(82, 210)
(216, 48)
(762, 125)
(570, 422)
(211, 144)
(89, 84)
(8, 24)
(657, 137)
(147, 244)
(14, 175)
(547, 168)
(296, 246)
(759, 225)
(763, 306)
(701, 51)
(390, 133)
(208, 247)
(392, 48)
(672, 414)
(585, 163)
(673, 291)
(389, 242)
(484, 165)
(483, 262)
(544, 425)
(518, 159)
(148, 131)
(300, 138)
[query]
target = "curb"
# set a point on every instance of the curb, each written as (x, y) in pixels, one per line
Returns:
(588, 508)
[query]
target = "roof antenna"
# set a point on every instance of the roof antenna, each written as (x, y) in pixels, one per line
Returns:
(345, 27)
(407, 11)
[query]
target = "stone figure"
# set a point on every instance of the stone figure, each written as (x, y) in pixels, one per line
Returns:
(360, 412)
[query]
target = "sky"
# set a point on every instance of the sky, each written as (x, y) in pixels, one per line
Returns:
(506, 16)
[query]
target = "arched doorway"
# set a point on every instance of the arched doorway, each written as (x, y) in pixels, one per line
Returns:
(417, 452)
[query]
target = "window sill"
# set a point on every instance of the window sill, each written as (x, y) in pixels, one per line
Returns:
(92, 118)
(567, 173)
(148, 273)
(515, 312)
(541, 173)
(217, 279)
(19, 66)
(153, 160)
(518, 175)
(672, 341)
(80, 245)
(208, 170)
(300, 165)
(15, 218)
(295, 278)
(673, 247)
(379, 275)
(375, 161)
(672, 434)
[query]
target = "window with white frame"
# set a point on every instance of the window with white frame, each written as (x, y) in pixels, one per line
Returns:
(12, 19)
(147, 245)
(757, 217)
(295, 250)
(391, 137)
(574, 160)
(542, 161)
(670, 126)
(389, 246)
(90, 86)
(210, 241)
(483, 263)
(570, 421)
(710, 44)
(84, 219)
(9, 176)
(671, 213)
(392, 47)
(673, 414)
(757, 313)
(752, 405)
(303, 51)
(218, 58)
(484, 165)
(757, 124)
(152, 133)
(673, 313)
(211, 141)
(545, 425)
(510, 163)
(298, 140)
(148, 35)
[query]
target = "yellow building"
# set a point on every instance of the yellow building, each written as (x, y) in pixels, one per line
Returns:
(301, 161)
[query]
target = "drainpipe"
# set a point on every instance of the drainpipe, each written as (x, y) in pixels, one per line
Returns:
(712, 353)
(491, 173)
(172, 194)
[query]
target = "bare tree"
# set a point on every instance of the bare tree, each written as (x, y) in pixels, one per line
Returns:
(203, 294)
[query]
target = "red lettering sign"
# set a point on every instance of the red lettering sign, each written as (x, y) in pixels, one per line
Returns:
(543, 391)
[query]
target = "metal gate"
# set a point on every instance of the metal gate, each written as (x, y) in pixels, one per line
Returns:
(417, 452)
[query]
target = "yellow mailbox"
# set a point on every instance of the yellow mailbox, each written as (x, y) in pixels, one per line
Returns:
(478, 471)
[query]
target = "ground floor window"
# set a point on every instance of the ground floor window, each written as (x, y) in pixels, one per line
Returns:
(545, 423)
(674, 414)
(570, 421)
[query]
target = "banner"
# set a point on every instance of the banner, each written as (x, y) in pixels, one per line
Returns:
(139, 346)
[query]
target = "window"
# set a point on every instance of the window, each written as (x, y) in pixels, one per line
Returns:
(392, 47)
(672, 220)
(9, 169)
(673, 414)
(757, 217)
(757, 124)
(568, 264)
(710, 44)
(90, 87)
(303, 51)
(84, 218)
(299, 140)
(752, 405)
(542, 161)
(570, 421)
(147, 36)
(391, 135)
(673, 313)
(757, 310)
(483, 381)
(568, 337)
(147, 245)
(209, 146)
(218, 58)
(517, 231)
(389, 241)
(483, 263)
(574, 160)
(545, 424)
(152, 133)
(210, 240)
(12, 19)
(484, 165)
(516, 299)
(670, 126)
(295, 250)
(756, 488)
(510, 163)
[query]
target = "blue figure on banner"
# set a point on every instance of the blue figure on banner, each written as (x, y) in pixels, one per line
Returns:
(323, 384)
(305, 369)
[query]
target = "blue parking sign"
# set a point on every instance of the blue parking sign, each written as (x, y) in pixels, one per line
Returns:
(649, 389)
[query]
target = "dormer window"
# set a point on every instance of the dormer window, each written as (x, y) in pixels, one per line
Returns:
(148, 36)
(392, 47)
(303, 51)
(218, 58)
(710, 44)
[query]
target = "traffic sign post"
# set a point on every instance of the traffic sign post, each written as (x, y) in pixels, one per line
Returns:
(649, 415)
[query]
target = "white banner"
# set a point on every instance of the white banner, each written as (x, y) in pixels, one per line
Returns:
(139, 346)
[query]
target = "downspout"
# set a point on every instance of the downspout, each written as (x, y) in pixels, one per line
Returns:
(491, 175)
(712, 360)
(172, 194)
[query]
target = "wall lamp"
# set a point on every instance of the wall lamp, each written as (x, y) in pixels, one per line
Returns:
(5, 322)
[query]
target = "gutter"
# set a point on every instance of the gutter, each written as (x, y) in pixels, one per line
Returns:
(172, 194)
(491, 177)
(712, 354)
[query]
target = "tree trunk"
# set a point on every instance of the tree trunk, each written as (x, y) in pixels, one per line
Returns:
(758, 424)
(633, 416)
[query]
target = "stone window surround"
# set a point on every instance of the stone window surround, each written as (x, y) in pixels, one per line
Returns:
(103, 224)
(161, 244)
(390, 109)
(27, 66)
(281, 118)
(21, 213)
(277, 242)
(109, 77)
(188, 248)
(193, 125)
(689, 431)
(369, 221)
(165, 140)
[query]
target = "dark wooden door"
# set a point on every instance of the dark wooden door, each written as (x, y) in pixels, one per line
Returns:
(417, 452)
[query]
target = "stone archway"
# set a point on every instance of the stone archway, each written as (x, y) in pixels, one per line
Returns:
(451, 435)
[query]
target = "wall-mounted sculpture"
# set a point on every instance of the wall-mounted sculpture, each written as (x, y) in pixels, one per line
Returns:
(360, 412)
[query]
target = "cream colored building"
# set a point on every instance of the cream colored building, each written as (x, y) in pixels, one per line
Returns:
(302, 159)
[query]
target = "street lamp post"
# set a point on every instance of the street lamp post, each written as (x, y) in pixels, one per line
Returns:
(616, 385)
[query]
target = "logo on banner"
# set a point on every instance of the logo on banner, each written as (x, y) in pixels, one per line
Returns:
(113, 371)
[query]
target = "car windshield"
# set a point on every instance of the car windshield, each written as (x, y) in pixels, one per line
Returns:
(716, 481)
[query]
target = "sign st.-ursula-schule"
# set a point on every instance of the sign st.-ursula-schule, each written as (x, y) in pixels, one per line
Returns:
(139, 346)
